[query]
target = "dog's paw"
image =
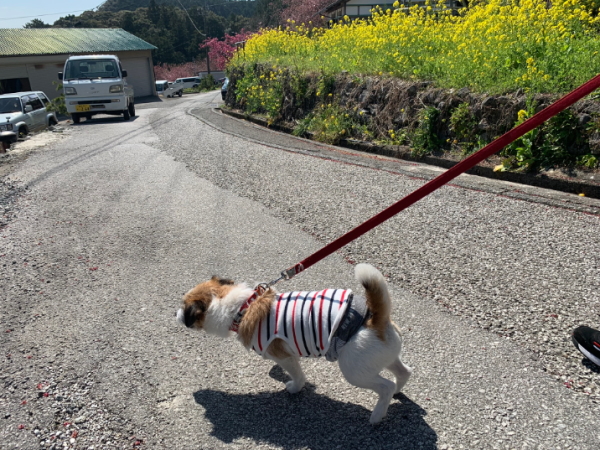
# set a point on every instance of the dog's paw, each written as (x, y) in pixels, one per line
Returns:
(401, 381)
(377, 416)
(294, 387)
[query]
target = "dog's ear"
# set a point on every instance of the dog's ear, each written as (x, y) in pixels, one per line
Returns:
(193, 315)
(222, 281)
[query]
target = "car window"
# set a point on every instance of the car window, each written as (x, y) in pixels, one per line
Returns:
(10, 105)
(44, 99)
(34, 101)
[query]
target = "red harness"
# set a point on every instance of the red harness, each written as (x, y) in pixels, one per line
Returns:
(235, 325)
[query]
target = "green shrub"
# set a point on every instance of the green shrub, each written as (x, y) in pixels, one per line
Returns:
(262, 94)
(424, 138)
(464, 126)
(58, 104)
(329, 123)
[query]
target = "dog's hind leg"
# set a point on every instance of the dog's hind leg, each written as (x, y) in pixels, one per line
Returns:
(364, 357)
(402, 373)
(375, 382)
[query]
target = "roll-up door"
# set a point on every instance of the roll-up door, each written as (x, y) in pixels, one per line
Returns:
(139, 76)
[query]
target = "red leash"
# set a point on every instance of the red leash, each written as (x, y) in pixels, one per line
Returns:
(445, 177)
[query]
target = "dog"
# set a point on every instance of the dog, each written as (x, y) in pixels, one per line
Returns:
(354, 330)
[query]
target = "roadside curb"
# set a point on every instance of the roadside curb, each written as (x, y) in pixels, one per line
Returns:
(555, 181)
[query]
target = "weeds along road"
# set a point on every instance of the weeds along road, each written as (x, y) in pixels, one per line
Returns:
(119, 219)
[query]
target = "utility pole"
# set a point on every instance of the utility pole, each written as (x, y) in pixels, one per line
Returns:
(207, 36)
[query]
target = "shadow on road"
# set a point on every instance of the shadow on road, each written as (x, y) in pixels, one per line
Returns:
(314, 421)
(104, 119)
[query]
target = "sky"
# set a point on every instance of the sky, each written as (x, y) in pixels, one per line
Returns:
(16, 14)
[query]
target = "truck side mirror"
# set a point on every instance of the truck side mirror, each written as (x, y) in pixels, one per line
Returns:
(124, 74)
(60, 76)
(28, 108)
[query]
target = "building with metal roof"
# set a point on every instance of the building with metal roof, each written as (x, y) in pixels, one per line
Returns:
(360, 9)
(30, 58)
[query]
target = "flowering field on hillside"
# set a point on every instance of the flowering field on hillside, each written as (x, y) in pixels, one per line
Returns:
(494, 46)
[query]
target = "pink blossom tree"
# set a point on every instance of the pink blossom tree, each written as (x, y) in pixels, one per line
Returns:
(221, 51)
(304, 11)
(171, 72)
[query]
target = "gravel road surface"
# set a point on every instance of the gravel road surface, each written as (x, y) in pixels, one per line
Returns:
(104, 230)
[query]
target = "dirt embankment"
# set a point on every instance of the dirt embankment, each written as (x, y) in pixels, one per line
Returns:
(452, 122)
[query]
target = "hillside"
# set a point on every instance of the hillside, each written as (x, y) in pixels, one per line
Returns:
(225, 8)
(176, 33)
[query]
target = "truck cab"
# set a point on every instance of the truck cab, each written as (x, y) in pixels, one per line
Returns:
(96, 84)
(168, 89)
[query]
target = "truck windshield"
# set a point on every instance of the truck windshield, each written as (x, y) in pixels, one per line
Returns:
(91, 68)
(10, 105)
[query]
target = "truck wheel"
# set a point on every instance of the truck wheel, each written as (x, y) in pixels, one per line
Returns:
(126, 115)
(132, 109)
(180, 93)
(76, 118)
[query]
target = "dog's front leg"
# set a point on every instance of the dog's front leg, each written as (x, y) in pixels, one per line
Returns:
(292, 366)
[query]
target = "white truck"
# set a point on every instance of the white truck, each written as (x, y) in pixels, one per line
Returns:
(168, 89)
(96, 84)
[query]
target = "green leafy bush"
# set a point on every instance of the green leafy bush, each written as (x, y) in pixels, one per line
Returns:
(424, 138)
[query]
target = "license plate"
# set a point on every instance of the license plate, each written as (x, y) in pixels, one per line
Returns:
(82, 108)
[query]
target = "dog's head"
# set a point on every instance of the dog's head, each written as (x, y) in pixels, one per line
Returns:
(197, 301)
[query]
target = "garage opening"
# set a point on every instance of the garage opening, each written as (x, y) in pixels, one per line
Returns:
(11, 85)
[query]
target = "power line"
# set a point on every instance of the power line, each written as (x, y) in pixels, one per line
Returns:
(97, 7)
(54, 14)
(191, 19)
(42, 15)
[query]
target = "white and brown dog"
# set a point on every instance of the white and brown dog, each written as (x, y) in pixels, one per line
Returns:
(354, 330)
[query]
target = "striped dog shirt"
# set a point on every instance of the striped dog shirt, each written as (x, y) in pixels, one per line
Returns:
(309, 322)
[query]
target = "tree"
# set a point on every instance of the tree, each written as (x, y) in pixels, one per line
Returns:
(153, 12)
(268, 13)
(36, 23)
(303, 11)
(69, 21)
(221, 51)
(236, 23)
(127, 22)
(171, 72)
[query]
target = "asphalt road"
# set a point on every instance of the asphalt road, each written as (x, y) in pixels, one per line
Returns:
(116, 221)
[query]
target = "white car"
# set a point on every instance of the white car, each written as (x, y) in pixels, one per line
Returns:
(189, 82)
(168, 89)
(23, 112)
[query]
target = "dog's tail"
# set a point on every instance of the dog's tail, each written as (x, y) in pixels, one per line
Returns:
(378, 297)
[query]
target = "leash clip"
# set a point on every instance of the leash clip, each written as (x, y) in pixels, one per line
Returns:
(261, 288)
(288, 274)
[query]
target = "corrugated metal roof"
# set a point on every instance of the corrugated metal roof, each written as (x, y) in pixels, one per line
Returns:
(53, 41)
